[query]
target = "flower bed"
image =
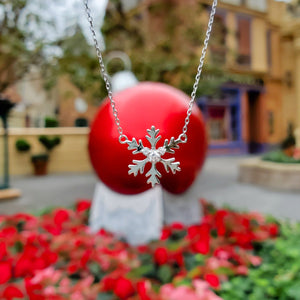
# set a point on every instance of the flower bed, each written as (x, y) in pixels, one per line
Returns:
(54, 256)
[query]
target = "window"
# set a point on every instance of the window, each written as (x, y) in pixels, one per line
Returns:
(271, 122)
(269, 48)
(259, 5)
(244, 43)
(218, 123)
(218, 41)
(234, 2)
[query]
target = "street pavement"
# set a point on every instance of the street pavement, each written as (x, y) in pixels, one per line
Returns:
(217, 183)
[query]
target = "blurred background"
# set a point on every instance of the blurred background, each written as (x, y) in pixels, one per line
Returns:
(249, 92)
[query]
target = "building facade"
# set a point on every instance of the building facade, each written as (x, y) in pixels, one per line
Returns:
(258, 42)
(262, 45)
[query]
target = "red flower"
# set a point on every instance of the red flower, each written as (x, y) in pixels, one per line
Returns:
(161, 255)
(143, 248)
(3, 250)
(12, 292)
(220, 223)
(108, 283)
(33, 290)
(177, 226)
(193, 231)
(213, 280)
(273, 229)
(142, 290)
(165, 233)
(83, 205)
(223, 252)
(85, 258)
(49, 257)
(242, 270)
(54, 230)
(23, 266)
(255, 260)
(124, 288)
(244, 240)
(72, 268)
(246, 223)
(103, 232)
(204, 230)
(178, 257)
(5, 272)
(201, 246)
(61, 216)
(8, 232)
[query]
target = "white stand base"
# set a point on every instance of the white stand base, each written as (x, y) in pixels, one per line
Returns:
(137, 218)
(140, 218)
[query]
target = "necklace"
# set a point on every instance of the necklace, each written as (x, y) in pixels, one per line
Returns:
(153, 155)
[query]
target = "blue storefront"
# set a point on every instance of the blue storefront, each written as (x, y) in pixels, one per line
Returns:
(232, 120)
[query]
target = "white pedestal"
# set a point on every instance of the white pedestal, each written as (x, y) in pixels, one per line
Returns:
(139, 218)
(184, 208)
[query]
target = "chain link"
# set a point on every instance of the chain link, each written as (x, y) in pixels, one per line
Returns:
(104, 73)
(200, 66)
(122, 137)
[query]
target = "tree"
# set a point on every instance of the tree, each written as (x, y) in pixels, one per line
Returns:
(19, 49)
(164, 41)
(79, 62)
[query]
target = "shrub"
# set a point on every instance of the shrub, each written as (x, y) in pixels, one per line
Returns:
(51, 122)
(40, 157)
(81, 122)
(278, 277)
(22, 145)
(49, 143)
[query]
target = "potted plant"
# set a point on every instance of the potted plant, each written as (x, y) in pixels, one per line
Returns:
(22, 145)
(39, 161)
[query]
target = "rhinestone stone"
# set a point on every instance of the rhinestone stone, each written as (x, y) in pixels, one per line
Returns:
(154, 156)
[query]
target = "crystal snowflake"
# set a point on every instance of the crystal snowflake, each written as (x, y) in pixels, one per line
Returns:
(153, 156)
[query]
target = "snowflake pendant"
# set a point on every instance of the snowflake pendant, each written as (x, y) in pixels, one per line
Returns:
(154, 156)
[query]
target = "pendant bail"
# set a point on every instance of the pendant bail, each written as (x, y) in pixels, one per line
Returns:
(123, 139)
(183, 138)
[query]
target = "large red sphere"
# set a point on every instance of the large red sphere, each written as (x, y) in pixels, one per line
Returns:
(139, 108)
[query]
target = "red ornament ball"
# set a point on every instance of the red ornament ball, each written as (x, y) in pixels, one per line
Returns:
(139, 108)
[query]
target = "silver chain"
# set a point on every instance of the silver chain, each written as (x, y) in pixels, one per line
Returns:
(122, 137)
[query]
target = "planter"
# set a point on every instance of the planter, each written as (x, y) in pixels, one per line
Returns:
(277, 176)
(40, 164)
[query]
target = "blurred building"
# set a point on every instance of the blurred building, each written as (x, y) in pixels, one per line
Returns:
(35, 103)
(260, 40)
(257, 41)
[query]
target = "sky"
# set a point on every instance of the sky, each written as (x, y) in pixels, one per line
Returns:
(64, 14)
(69, 12)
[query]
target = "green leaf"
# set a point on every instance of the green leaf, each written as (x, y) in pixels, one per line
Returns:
(94, 268)
(294, 291)
(165, 273)
(174, 245)
(185, 281)
(142, 271)
(191, 261)
(224, 270)
(105, 296)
